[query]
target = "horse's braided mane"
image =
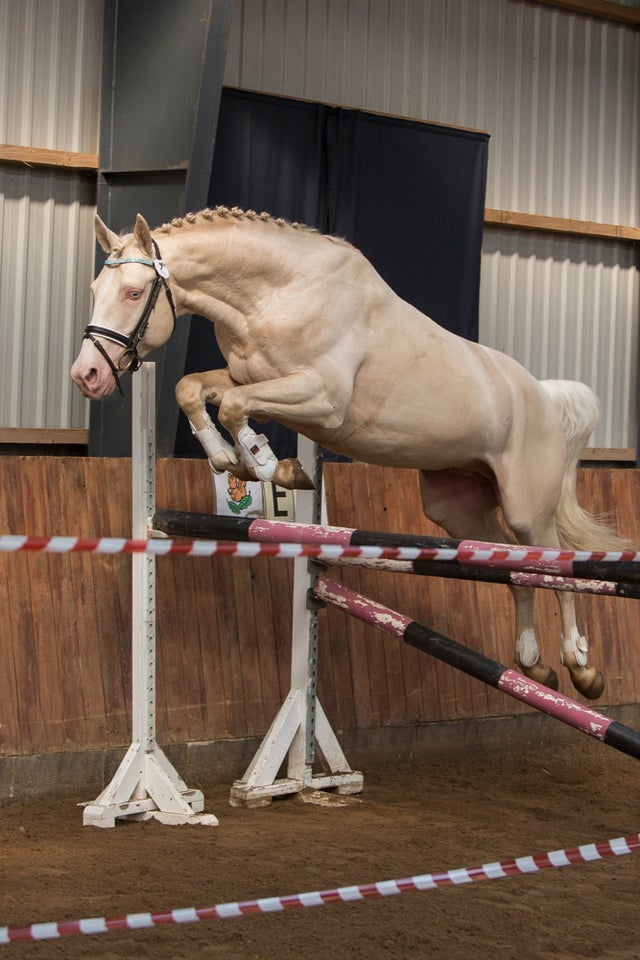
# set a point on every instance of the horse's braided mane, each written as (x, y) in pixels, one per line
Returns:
(238, 214)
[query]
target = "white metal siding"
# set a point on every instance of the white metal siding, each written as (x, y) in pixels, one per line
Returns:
(560, 95)
(46, 230)
(557, 305)
(50, 57)
(558, 92)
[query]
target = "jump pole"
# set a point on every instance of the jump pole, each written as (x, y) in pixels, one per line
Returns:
(145, 784)
(481, 574)
(301, 725)
(482, 668)
(595, 564)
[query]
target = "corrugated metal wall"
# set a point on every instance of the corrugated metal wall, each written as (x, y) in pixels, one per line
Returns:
(50, 62)
(558, 92)
(567, 308)
(560, 95)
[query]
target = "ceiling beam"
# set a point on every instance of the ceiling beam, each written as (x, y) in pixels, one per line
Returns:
(40, 157)
(602, 9)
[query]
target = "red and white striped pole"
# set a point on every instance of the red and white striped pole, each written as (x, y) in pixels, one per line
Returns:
(497, 870)
(534, 559)
(623, 565)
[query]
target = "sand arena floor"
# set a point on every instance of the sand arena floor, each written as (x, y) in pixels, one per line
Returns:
(411, 819)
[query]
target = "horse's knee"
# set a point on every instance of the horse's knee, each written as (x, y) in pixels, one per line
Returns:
(189, 394)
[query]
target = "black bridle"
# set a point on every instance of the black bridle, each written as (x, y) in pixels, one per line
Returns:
(130, 359)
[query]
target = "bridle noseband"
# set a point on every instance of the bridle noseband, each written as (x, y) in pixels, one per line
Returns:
(130, 359)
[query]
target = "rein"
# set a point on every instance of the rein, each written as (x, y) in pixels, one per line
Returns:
(130, 359)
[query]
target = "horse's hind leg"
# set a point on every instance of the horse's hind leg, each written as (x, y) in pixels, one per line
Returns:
(534, 524)
(527, 654)
(465, 505)
(586, 679)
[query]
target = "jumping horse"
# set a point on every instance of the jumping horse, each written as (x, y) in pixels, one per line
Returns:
(316, 340)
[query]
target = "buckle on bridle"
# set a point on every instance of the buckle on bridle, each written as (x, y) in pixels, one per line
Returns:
(129, 360)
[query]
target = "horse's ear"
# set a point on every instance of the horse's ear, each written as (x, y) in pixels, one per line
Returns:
(142, 235)
(107, 239)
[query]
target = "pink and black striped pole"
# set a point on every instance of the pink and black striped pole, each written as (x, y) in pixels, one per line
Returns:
(482, 668)
(620, 566)
(448, 570)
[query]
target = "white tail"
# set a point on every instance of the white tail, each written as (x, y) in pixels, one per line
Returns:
(579, 410)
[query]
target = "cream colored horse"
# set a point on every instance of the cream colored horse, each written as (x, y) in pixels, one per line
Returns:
(316, 340)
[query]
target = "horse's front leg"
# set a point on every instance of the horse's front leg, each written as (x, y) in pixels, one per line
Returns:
(298, 399)
(192, 393)
(252, 457)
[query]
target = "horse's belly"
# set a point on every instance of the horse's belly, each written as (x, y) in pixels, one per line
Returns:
(405, 446)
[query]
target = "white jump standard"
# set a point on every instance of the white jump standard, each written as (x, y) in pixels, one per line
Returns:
(301, 725)
(146, 784)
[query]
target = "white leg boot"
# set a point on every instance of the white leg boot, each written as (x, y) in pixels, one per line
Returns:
(256, 454)
(220, 453)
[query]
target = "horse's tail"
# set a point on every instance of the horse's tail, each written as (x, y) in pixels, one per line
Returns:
(579, 410)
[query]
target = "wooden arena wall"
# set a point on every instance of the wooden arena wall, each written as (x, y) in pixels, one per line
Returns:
(224, 624)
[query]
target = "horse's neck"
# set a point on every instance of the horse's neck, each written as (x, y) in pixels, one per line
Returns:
(217, 269)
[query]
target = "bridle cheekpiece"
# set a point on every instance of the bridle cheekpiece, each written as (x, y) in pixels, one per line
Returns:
(130, 359)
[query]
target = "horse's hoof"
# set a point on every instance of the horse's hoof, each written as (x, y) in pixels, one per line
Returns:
(546, 676)
(541, 674)
(588, 681)
(291, 475)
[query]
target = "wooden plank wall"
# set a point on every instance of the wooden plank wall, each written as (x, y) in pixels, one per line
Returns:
(372, 679)
(224, 624)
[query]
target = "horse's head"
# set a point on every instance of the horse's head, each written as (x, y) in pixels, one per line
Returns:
(129, 318)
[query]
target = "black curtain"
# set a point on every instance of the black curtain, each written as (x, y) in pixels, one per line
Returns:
(270, 154)
(410, 195)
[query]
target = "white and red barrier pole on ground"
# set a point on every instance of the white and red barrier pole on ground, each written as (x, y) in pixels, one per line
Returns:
(497, 870)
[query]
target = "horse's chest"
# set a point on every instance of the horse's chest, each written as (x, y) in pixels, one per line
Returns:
(254, 365)
(266, 350)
